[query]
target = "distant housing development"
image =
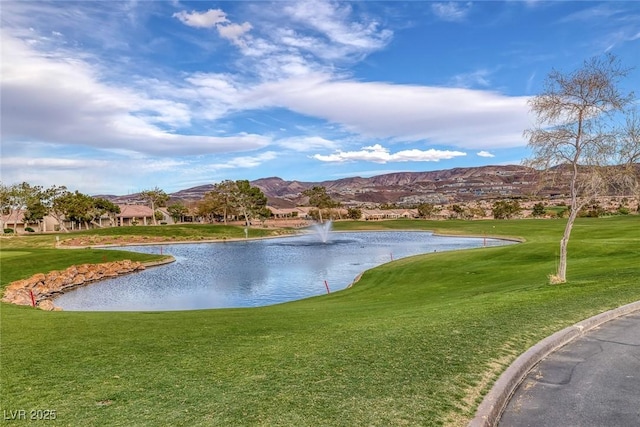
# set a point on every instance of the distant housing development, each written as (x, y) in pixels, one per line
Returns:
(467, 193)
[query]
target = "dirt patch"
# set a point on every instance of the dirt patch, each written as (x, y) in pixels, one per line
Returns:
(86, 241)
(473, 393)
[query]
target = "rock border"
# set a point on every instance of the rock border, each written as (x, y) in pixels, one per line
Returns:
(40, 289)
(490, 410)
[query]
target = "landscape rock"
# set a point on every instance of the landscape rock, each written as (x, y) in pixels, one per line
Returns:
(46, 305)
(45, 286)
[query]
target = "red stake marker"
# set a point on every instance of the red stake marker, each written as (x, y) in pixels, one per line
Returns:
(326, 285)
(33, 299)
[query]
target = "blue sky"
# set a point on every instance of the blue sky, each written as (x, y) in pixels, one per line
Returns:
(112, 97)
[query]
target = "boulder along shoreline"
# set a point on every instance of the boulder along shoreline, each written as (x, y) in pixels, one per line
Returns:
(40, 289)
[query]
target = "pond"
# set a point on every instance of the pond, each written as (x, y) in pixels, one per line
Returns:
(256, 273)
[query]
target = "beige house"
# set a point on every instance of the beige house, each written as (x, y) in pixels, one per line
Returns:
(288, 212)
(166, 217)
(15, 220)
(377, 214)
(134, 215)
(129, 215)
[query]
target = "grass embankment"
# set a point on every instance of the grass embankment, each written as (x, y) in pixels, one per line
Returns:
(415, 342)
(140, 235)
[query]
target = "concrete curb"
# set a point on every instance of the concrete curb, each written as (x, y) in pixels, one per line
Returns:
(490, 410)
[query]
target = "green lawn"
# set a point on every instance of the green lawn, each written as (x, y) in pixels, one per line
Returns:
(416, 342)
(11, 254)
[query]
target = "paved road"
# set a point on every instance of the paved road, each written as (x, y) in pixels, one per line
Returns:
(593, 381)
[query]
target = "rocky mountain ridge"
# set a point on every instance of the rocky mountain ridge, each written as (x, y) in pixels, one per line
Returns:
(402, 188)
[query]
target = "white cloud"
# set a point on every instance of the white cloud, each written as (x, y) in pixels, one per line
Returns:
(474, 78)
(246, 161)
(89, 174)
(215, 18)
(306, 37)
(452, 116)
(234, 32)
(306, 143)
(530, 81)
(451, 11)
(208, 19)
(379, 154)
(333, 20)
(50, 163)
(485, 154)
(80, 109)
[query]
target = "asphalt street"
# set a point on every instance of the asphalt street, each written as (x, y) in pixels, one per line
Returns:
(593, 381)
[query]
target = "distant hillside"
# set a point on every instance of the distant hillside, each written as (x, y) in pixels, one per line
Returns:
(403, 188)
(442, 186)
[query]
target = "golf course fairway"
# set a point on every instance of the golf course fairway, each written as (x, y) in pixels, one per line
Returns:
(416, 341)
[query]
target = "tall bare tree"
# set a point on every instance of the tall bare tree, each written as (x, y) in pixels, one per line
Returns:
(577, 115)
(626, 153)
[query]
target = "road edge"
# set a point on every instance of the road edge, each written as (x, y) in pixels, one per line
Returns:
(490, 410)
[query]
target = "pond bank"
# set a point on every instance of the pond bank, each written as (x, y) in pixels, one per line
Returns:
(39, 289)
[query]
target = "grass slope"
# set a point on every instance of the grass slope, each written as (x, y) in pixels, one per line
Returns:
(415, 342)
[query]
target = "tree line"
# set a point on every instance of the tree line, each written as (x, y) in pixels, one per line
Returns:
(36, 202)
(233, 199)
(241, 200)
(228, 199)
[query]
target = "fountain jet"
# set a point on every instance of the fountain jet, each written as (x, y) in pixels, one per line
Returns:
(323, 230)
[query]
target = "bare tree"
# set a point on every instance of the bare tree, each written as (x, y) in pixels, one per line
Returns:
(625, 152)
(576, 116)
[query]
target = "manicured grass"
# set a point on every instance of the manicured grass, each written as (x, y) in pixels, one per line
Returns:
(118, 235)
(415, 342)
(17, 264)
(11, 254)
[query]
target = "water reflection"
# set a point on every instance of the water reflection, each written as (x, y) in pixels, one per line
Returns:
(255, 273)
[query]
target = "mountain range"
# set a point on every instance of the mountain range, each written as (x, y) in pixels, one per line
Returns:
(401, 188)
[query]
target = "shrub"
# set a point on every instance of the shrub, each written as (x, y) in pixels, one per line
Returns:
(505, 209)
(592, 210)
(354, 213)
(623, 210)
(8, 231)
(29, 230)
(538, 210)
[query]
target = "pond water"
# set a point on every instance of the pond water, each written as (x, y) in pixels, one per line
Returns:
(256, 272)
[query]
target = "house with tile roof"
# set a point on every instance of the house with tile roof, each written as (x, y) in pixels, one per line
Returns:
(134, 215)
